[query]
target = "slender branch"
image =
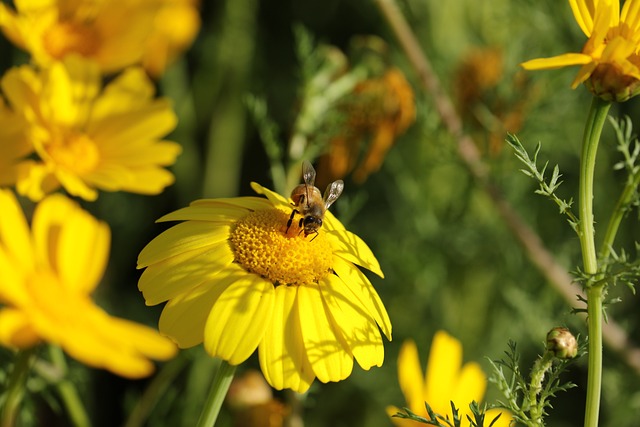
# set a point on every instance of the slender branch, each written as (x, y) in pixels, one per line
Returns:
(614, 335)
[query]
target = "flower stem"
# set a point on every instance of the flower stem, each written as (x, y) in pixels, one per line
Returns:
(219, 387)
(68, 392)
(15, 387)
(586, 233)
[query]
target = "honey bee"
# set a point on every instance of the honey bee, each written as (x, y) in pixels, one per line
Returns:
(310, 203)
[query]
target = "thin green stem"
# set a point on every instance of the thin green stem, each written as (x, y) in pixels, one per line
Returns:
(155, 390)
(16, 387)
(586, 233)
(217, 393)
(68, 391)
(617, 215)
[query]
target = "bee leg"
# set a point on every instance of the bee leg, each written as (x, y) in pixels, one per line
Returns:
(293, 213)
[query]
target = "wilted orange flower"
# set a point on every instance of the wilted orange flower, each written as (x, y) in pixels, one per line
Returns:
(83, 137)
(380, 108)
(47, 275)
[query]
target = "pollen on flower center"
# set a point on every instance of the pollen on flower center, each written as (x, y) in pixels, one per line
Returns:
(261, 245)
(70, 37)
(75, 152)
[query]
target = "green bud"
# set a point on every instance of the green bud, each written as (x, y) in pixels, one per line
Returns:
(561, 343)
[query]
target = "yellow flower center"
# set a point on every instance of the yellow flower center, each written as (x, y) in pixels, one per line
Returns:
(70, 37)
(76, 152)
(262, 245)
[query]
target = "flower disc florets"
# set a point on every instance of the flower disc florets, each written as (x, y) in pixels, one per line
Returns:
(261, 244)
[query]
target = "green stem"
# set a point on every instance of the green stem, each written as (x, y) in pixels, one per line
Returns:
(586, 233)
(219, 387)
(68, 391)
(155, 390)
(617, 215)
(16, 387)
(540, 369)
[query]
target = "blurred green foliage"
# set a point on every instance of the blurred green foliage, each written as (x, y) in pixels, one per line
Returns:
(449, 260)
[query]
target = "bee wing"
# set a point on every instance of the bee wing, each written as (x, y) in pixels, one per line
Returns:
(308, 173)
(333, 191)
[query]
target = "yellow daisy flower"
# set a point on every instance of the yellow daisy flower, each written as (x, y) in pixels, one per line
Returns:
(85, 138)
(236, 278)
(446, 380)
(610, 65)
(46, 278)
(111, 33)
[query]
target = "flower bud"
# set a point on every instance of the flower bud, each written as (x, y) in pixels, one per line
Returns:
(612, 84)
(562, 343)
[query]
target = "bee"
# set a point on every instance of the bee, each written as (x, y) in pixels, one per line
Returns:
(310, 203)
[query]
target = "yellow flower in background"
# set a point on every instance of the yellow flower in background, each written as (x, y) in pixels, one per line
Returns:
(175, 27)
(380, 108)
(111, 33)
(46, 278)
(236, 278)
(446, 380)
(86, 138)
(610, 65)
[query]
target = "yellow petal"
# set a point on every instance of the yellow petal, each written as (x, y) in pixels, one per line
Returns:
(75, 185)
(443, 368)
(184, 317)
(360, 286)
(17, 330)
(273, 197)
(238, 319)
(559, 61)
(471, 385)
(35, 180)
(283, 358)
(358, 328)
(410, 376)
(147, 152)
(83, 246)
(325, 349)
(150, 180)
(15, 238)
(135, 127)
(583, 74)
(583, 12)
(630, 15)
(130, 90)
(202, 212)
(182, 238)
(168, 278)
(350, 247)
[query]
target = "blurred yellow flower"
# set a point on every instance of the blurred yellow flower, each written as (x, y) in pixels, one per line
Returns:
(46, 278)
(13, 145)
(610, 65)
(446, 380)
(86, 139)
(238, 279)
(111, 33)
(174, 28)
